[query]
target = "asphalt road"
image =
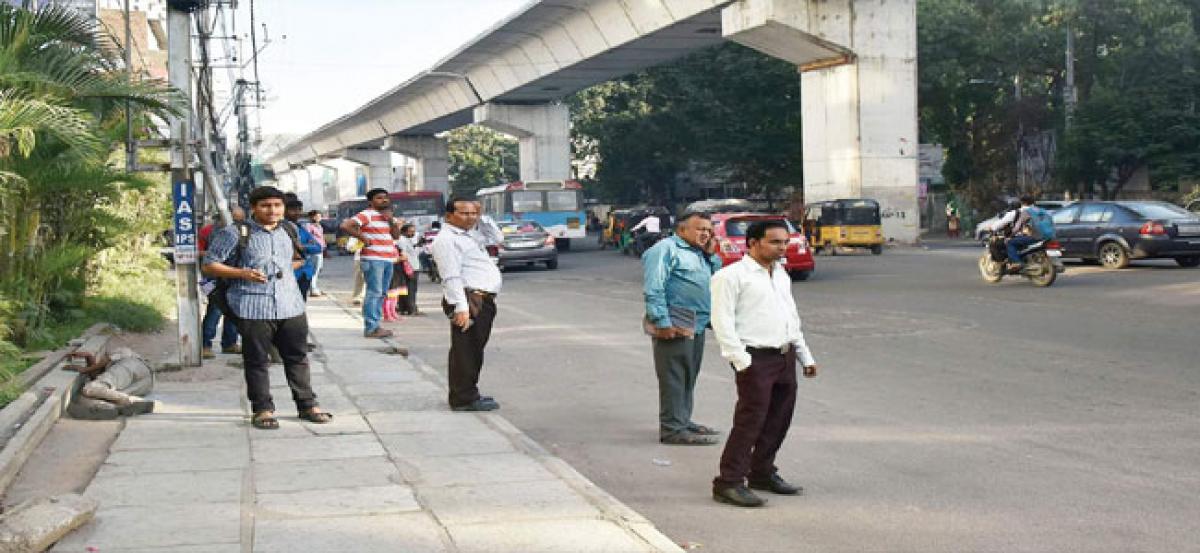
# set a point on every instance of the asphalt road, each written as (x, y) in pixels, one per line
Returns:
(950, 414)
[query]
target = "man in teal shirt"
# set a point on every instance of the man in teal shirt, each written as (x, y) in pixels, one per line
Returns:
(677, 272)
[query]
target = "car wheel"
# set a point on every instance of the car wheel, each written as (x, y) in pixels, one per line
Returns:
(800, 275)
(1113, 255)
(552, 264)
(876, 249)
(1189, 261)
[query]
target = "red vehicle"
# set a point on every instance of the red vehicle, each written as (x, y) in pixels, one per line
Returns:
(729, 229)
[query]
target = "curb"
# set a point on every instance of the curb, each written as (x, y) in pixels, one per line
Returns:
(612, 508)
(55, 389)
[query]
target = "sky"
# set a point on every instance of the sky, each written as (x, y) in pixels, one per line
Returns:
(329, 57)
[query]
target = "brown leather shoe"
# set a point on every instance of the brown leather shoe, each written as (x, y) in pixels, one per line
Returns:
(379, 333)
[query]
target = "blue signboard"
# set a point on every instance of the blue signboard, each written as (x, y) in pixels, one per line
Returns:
(184, 205)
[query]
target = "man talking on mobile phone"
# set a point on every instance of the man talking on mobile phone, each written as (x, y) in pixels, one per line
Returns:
(470, 282)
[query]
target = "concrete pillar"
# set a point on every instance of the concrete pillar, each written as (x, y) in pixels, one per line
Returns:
(378, 164)
(432, 155)
(858, 63)
(544, 134)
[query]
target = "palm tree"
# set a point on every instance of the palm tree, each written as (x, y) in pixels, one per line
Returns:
(63, 97)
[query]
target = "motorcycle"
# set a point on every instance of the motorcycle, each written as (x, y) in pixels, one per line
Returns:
(1043, 262)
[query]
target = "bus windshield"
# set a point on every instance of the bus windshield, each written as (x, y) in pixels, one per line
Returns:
(416, 206)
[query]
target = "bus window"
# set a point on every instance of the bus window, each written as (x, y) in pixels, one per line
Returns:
(524, 201)
(562, 200)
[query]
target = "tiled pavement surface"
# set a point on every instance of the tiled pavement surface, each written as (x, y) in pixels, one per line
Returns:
(395, 471)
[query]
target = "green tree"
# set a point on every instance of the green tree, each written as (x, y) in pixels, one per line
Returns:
(62, 104)
(729, 111)
(481, 157)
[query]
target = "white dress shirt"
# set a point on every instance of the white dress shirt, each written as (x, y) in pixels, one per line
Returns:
(754, 308)
(652, 224)
(463, 263)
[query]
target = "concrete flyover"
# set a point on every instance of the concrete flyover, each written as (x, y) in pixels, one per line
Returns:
(856, 59)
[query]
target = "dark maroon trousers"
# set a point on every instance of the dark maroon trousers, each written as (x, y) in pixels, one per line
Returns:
(766, 399)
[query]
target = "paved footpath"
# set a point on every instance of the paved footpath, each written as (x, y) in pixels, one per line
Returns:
(396, 471)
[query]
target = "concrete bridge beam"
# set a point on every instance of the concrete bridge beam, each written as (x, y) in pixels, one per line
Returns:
(432, 155)
(858, 64)
(543, 132)
(378, 164)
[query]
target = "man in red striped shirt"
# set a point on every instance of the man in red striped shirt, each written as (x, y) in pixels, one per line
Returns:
(378, 232)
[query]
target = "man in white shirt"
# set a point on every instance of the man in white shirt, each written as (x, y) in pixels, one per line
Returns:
(652, 225)
(470, 282)
(755, 321)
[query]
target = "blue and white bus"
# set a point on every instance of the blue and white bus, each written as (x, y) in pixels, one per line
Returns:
(556, 205)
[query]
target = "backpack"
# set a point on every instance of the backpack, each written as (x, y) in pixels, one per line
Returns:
(1041, 223)
(219, 296)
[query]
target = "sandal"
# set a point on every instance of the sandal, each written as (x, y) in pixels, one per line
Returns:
(265, 420)
(316, 416)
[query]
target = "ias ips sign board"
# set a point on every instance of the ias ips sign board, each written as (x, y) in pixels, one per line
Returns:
(185, 221)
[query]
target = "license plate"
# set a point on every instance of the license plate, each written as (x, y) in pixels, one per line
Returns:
(1189, 230)
(1053, 253)
(516, 245)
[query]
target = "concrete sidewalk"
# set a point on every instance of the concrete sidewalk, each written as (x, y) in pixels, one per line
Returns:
(396, 471)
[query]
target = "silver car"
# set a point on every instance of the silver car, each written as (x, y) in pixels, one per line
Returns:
(526, 243)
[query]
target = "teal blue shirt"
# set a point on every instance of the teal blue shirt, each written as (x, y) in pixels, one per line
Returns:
(676, 274)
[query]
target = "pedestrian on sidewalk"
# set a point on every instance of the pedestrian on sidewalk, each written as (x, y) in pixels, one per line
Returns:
(212, 315)
(309, 247)
(378, 232)
(677, 272)
(411, 267)
(313, 226)
(265, 298)
(470, 282)
(756, 323)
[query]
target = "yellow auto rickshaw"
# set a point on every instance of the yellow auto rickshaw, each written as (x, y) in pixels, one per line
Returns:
(844, 224)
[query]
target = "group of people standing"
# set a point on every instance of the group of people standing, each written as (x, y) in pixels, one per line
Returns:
(267, 261)
(750, 308)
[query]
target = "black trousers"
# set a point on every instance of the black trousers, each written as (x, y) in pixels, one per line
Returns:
(466, 352)
(290, 337)
(766, 399)
(408, 304)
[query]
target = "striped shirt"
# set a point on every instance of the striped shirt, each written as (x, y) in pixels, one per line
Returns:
(270, 252)
(379, 244)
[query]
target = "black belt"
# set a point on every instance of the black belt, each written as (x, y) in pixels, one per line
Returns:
(481, 293)
(781, 350)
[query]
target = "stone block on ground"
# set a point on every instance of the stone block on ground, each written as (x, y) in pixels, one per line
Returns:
(407, 446)
(300, 474)
(410, 533)
(167, 488)
(546, 536)
(504, 503)
(444, 422)
(316, 448)
(474, 469)
(36, 524)
(333, 502)
(151, 461)
(131, 528)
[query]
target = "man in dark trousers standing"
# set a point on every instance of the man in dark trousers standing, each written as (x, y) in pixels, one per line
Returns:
(470, 282)
(265, 298)
(755, 320)
(676, 274)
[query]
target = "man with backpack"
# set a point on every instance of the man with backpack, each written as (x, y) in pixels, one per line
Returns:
(1026, 224)
(255, 261)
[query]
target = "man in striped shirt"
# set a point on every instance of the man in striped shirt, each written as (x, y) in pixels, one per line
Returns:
(378, 232)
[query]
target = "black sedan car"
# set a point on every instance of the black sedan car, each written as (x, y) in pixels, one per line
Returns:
(526, 243)
(1113, 233)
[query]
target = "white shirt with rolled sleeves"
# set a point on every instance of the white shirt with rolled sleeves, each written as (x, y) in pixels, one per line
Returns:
(652, 224)
(463, 263)
(754, 308)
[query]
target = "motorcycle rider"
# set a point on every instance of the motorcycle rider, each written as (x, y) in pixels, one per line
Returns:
(1016, 225)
